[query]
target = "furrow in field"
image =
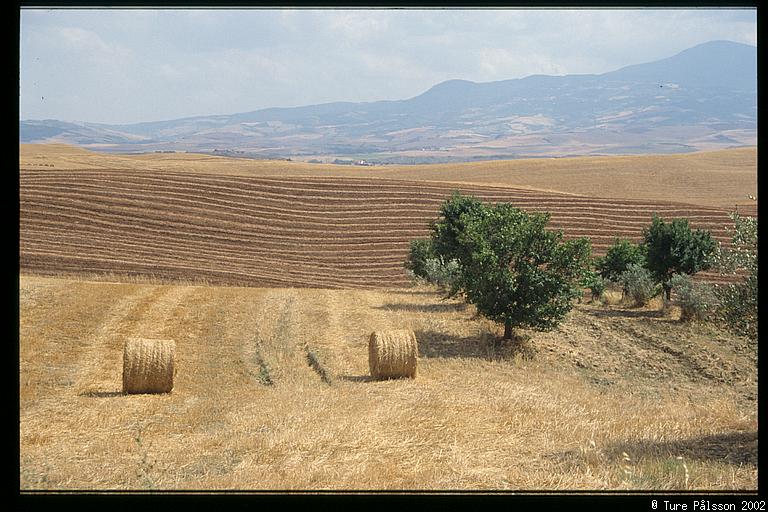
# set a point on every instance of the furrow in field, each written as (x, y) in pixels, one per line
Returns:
(54, 263)
(204, 229)
(57, 229)
(340, 189)
(278, 231)
(234, 254)
(185, 203)
(248, 204)
(162, 215)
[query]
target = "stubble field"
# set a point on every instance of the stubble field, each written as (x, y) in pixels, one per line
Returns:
(617, 398)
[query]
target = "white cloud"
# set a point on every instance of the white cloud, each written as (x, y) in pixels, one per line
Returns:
(88, 45)
(502, 64)
(356, 26)
(125, 65)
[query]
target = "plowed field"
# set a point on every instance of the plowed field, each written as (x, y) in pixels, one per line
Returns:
(322, 232)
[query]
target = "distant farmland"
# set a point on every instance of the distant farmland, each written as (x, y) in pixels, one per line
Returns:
(318, 232)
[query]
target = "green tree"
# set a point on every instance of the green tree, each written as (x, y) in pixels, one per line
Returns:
(447, 229)
(510, 267)
(618, 259)
(421, 251)
(673, 248)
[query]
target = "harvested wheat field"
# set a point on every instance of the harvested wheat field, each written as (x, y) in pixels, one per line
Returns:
(324, 231)
(614, 399)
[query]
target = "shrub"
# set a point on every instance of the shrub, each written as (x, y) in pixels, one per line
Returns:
(421, 251)
(595, 283)
(441, 273)
(697, 300)
(738, 301)
(638, 284)
(738, 306)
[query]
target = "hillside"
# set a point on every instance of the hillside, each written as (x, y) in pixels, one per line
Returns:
(703, 98)
(716, 178)
(615, 398)
(327, 232)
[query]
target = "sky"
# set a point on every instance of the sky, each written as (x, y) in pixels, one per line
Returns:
(121, 66)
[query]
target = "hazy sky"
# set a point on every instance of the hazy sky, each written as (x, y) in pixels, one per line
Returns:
(130, 65)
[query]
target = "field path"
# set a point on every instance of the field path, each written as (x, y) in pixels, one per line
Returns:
(340, 348)
(104, 359)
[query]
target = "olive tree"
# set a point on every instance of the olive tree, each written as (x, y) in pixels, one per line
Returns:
(673, 248)
(618, 258)
(512, 268)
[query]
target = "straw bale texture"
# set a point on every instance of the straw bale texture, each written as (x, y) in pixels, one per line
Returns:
(148, 365)
(392, 354)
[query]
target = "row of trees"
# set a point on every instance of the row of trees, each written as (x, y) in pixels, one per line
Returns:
(518, 273)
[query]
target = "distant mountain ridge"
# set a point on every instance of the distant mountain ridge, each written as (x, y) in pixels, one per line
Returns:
(704, 97)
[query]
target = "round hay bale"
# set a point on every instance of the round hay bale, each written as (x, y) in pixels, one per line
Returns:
(148, 365)
(392, 354)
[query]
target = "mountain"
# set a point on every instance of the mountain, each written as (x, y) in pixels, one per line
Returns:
(714, 64)
(704, 97)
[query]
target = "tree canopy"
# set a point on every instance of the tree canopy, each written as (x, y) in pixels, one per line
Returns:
(511, 268)
(618, 258)
(673, 248)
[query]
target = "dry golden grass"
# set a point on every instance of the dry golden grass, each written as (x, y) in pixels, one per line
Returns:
(711, 178)
(616, 398)
(612, 297)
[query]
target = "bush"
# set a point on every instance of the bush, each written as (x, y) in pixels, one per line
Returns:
(441, 273)
(738, 301)
(697, 300)
(638, 284)
(595, 283)
(738, 306)
(421, 251)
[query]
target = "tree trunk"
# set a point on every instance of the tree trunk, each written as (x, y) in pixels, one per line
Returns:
(508, 329)
(667, 293)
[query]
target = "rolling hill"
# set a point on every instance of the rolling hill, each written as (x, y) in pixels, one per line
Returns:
(702, 98)
(176, 221)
